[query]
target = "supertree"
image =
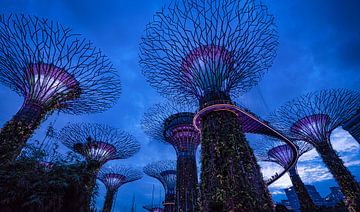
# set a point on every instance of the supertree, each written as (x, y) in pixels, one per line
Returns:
(113, 178)
(97, 143)
(312, 118)
(165, 172)
(53, 69)
(210, 51)
(276, 151)
(172, 123)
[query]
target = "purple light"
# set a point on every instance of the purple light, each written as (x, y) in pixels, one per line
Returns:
(48, 82)
(179, 131)
(312, 128)
(283, 155)
(206, 65)
(113, 181)
(97, 151)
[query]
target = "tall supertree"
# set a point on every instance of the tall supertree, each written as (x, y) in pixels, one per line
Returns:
(53, 69)
(113, 178)
(172, 123)
(276, 151)
(165, 172)
(210, 51)
(98, 143)
(312, 118)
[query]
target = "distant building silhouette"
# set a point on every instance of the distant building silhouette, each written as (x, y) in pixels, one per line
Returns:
(334, 197)
(353, 126)
(294, 202)
(287, 204)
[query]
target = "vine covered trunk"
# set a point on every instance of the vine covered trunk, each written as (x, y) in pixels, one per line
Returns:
(109, 198)
(16, 132)
(306, 203)
(186, 184)
(347, 183)
(230, 178)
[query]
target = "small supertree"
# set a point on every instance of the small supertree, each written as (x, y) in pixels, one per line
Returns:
(276, 151)
(165, 172)
(172, 123)
(113, 178)
(208, 51)
(98, 143)
(312, 118)
(53, 69)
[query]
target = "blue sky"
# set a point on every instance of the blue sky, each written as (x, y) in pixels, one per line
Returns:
(319, 48)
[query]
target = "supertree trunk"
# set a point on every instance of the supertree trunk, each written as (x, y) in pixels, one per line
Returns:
(92, 169)
(186, 184)
(169, 203)
(306, 203)
(348, 185)
(230, 177)
(19, 129)
(109, 198)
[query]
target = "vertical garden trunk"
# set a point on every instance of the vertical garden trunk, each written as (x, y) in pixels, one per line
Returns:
(109, 198)
(169, 203)
(18, 130)
(186, 184)
(348, 185)
(306, 203)
(230, 176)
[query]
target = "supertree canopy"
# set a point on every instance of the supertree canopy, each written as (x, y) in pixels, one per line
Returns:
(113, 178)
(165, 172)
(98, 143)
(172, 123)
(312, 118)
(274, 150)
(53, 69)
(210, 50)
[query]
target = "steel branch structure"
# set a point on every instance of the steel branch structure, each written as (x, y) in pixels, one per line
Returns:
(98, 143)
(165, 172)
(53, 69)
(312, 118)
(113, 178)
(172, 123)
(276, 151)
(210, 51)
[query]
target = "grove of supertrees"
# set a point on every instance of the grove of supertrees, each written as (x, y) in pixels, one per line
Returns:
(274, 150)
(165, 172)
(113, 178)
(54, 69)
(172, 123)
(98, 144)
(211, 51)
(312, 118)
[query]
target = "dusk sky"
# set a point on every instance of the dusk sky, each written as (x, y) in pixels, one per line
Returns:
(319, 48)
